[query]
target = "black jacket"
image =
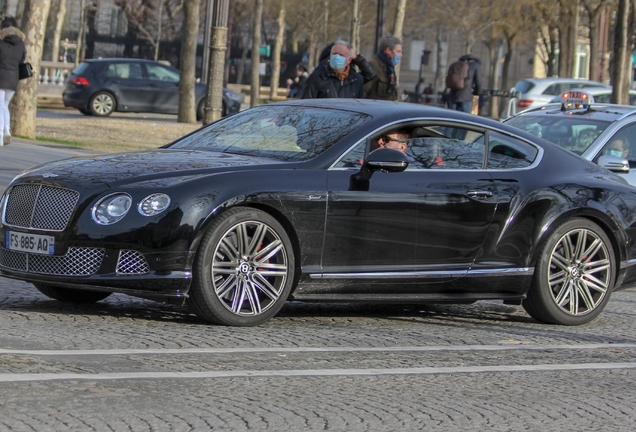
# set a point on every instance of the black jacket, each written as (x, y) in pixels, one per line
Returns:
(323, 83)
(473, 81)
(12, 53)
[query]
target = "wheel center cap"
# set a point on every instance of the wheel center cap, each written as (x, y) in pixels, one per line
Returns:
(575, 272)
(244, 268)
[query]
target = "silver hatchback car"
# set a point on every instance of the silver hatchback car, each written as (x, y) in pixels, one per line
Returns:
(535, 92)
(602, 133)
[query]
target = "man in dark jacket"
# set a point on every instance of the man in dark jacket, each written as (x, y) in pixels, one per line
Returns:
(336, 78)
(462, 100)
(384, 85)
(365, 69)
(12, 53)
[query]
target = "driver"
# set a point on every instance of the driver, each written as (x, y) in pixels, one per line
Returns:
(395, 139)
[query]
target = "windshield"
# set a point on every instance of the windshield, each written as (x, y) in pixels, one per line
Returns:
(572, 133)
(524, 86)
(287, 133)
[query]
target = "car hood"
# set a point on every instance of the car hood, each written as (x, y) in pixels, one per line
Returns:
(152, 165)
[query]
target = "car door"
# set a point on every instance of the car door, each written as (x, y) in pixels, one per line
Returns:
(430, 219)
(163, 88)
(127, 82)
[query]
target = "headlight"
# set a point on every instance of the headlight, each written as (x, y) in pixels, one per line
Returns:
(111, 209)
(153, 204)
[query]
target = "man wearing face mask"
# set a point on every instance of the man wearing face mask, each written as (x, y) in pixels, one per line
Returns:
(336, 78)
(384, 85)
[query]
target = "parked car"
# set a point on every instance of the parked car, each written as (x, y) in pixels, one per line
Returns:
(590, 129)
(290, 201)
(601, 95)
(102, 86)
(535, 92)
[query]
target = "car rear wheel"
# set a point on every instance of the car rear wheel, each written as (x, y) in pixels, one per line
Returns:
(574, 275)
(244, 269)
(102, 104)
(71, 295)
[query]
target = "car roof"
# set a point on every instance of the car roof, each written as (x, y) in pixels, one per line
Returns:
(559, 79)
(603, 112)
(102, 60)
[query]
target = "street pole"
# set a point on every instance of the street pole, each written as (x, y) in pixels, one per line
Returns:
(217, 46)
(379, 27)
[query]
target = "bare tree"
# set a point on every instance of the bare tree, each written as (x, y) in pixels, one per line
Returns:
(355, 26)
(621, 49)
(23, 105)
(188, 56)
(278, 48)
(256, 56)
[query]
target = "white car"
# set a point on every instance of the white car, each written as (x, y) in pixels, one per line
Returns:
(536, 92)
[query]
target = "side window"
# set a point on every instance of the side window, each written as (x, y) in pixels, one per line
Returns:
(505, 152)
(124, 71)
(160, 73)
(622, 145)
(446, 148)
(552, 90)
(355, 157)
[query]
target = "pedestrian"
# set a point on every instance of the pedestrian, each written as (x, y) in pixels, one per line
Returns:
(405, 96)
(427, 92)
(364, 68)
(12, 53)
(297, 85)
(463, 80)
(384, 85)
(335, 78)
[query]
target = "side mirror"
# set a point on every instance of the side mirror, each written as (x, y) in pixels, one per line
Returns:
(387, 160)
(614, 164)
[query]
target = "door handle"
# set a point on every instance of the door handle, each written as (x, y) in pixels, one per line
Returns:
(479, 193)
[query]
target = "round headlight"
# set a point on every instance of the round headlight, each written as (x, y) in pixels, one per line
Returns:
(111, 209)
(154, 204)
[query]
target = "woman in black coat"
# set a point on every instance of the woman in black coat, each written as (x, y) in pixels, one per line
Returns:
(12, 53)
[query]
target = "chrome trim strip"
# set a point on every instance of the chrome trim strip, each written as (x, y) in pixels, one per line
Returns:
(523, 271)
(628, 263)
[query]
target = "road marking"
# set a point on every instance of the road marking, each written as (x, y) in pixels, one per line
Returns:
(287, 350)
(311, 372)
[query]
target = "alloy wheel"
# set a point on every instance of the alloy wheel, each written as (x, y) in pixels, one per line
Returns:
(580, 272)
(249, 269)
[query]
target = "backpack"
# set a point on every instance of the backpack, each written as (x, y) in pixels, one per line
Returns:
(457, 74)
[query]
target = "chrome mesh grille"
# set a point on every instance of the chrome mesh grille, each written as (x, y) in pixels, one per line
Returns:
(40, 206)
(76, 262)
(132, 262)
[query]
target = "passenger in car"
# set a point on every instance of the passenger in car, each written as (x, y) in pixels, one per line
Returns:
(617, 148)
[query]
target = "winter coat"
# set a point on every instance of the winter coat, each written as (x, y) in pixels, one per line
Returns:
(12, 53)
(323, 83)
(378, 88)
(473, 81)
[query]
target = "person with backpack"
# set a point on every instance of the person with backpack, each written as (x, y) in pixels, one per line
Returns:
(463, 80)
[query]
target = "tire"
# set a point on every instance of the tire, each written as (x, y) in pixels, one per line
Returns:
(71, 295)
(102, 104)
(574, 275)
(200, 108)
(244, 269)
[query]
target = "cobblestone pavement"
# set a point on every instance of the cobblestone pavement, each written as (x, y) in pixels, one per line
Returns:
(135, 365)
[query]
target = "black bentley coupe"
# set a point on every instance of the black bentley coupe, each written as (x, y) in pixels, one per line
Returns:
(331, 201)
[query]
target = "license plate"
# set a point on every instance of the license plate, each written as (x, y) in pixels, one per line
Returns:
(33, 243)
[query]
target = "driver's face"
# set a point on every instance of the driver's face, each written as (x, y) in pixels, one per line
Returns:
(394, 143)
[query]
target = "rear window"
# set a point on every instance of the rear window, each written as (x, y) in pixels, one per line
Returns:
(572, 133)
(524, 86)
(80, 69)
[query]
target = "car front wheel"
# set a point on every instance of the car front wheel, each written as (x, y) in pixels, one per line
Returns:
(244, 269)
(574, 275)
(102, 104)
(70, 295)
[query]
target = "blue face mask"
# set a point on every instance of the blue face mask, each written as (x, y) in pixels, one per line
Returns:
(396, 60)
(616, 153)
(337, 62)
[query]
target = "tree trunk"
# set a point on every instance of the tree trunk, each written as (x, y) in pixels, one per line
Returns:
(242, 65)
(493, 55)
(159, 29)
(255, 82)
(574, 41)
(355, 26)
(552, 54)
(57, 32)
(278, 49)
(23, 105)
(326, 23)
(91, 16)
(187, 61)
(398, 25)
(441, 62)
(81, 32)
(620, 52)
(19, 12)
